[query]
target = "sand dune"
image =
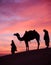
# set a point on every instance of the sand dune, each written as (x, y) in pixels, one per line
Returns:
(34, 57)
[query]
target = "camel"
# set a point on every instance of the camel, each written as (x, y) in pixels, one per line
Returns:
(28, 36)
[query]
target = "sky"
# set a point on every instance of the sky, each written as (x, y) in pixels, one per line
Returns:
(17, 16)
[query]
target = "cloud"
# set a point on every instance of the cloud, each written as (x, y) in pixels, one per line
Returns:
(18, 1)
(12, 1)
(13, 13)
(22, 8)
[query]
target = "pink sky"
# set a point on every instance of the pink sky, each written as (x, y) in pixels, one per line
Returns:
(19, 16)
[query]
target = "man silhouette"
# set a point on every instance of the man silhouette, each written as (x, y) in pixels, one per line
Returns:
(13, 47)
(46, 38)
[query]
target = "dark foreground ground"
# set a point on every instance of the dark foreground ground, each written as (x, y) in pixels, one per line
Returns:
(34, 57)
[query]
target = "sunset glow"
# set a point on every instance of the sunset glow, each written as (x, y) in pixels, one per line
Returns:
(19, 16)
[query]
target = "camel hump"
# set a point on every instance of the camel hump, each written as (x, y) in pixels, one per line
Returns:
(31, 33)
(28, 32)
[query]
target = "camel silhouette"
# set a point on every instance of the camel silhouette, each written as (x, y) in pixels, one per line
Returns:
(28, 36)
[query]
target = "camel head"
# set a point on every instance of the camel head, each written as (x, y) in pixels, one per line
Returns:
(16, 34)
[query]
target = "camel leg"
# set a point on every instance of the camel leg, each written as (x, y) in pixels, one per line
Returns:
(38, 44)
(27, 46)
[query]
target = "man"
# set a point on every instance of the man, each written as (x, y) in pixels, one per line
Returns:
(46, 38)
(13, 47)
